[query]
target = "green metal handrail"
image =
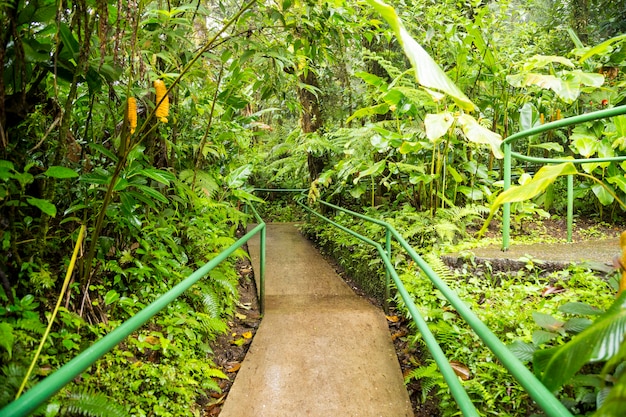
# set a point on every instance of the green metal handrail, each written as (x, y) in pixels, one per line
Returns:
(509, 153)
(538, 392)
(45, 389)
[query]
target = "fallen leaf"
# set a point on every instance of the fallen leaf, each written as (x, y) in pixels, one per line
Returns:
(241, 316)
(152, 340)
(396, 335)
(238, 342)
(552, 290)
(247, 335)
(461, 370)
(393, 319)
(234, 367)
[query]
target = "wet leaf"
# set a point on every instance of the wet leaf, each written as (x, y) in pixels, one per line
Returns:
(247, 335)
(392, 319)
(240, 316)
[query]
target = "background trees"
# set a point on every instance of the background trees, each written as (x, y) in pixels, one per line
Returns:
(273, 94)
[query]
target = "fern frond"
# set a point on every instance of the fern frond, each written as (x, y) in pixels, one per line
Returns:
(211, 325)
(211, 302)
(93, 405)
(438, 266)
(428, 376)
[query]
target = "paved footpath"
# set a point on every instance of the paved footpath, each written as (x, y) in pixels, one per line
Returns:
(320, 349)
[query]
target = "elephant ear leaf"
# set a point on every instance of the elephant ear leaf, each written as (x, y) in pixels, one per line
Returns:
(599, 342)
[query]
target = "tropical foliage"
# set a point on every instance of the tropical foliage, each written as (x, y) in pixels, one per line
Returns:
(148, 123)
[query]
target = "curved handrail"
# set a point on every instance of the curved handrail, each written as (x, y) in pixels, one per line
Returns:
(538, 392)
(45, 389)
(509, 153)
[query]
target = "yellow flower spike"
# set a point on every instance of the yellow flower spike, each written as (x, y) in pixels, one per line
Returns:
(131, 114)
(163, 107)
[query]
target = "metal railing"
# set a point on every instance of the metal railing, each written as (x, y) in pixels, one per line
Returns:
(538, 392)
(509, 154)
(45, 389)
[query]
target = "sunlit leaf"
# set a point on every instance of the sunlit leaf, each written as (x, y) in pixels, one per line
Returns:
(427, 72)
(479, 134)
(438, 124)
(601, 48)
(540, 61)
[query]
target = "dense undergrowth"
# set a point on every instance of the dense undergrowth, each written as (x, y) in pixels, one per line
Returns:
(529, 310)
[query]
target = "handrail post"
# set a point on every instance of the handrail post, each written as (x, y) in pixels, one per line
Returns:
(506, 208)
(262, 271)
(570, 206)
(387, 275)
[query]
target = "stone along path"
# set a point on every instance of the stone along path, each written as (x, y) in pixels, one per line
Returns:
(320, 349)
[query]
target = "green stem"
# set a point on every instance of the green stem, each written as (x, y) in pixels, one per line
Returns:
(66, 283)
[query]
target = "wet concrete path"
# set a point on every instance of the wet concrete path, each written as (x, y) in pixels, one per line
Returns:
(596, 254)
(320, 349)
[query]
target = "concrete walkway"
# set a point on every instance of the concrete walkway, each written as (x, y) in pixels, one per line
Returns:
(320, 349)
(596, 254)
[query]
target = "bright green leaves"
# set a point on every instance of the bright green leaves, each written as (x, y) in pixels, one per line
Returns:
(427, 72)
(7, 338)
(540, 182)
(476, 133)
(60, 172)
(599, 342)
(437, 125)
(566, 84)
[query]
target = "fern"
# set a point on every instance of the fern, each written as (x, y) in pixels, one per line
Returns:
(438, 266)
(428, 376)
(211, 302)
(211, 325)
(93, 405)
(205, 182)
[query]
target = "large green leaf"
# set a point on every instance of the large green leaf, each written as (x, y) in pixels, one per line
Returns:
(7, 338)
(619, 181)
(437, 124)
(43, 205)
(542, 179)
(158, 175)
(540, 61)
(369, 111)
(374, 170)
(239, 176)
(60, 172)
(598, 342)
(427, 72)
(479, 134)
(601, 48)
(602, 193)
